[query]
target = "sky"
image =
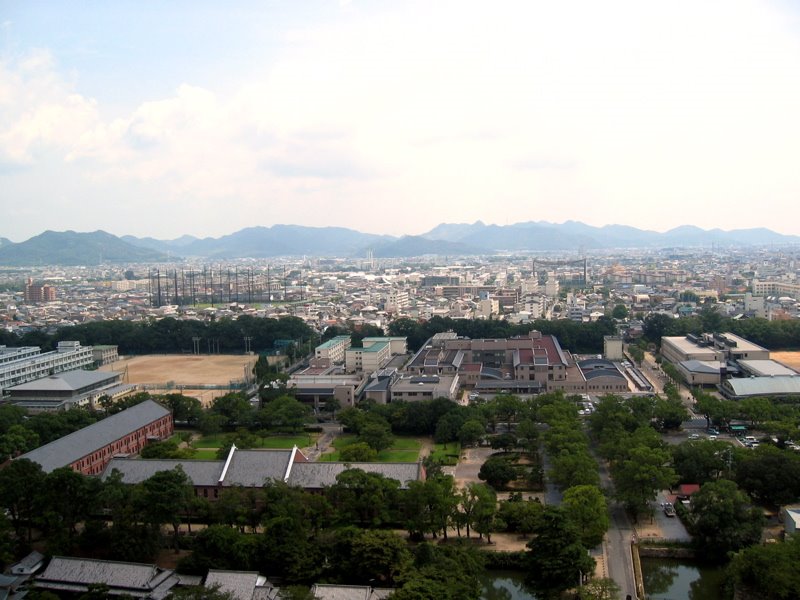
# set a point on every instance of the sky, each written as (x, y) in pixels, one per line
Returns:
(204, 117)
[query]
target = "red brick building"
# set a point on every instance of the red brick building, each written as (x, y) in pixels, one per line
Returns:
(90, 449)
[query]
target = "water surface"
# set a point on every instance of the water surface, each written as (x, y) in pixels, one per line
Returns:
(669, 579)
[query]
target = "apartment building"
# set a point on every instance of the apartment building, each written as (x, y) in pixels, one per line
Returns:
(38, 292)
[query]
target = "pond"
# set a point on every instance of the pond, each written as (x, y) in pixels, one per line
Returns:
(667, 579)
(505, 585)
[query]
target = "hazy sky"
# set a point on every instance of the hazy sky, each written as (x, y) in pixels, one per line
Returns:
(164, 118)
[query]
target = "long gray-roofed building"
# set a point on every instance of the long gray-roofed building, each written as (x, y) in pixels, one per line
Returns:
(317, 475)
(66, 574)
(89, 450)
(239, 584)
(747, 387)
(254, 468)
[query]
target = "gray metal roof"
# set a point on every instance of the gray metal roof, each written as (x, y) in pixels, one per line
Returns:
(83, 442)
(700, 366)
(68, 381)
(316, 475)
(201, 472)
(764, 386)
(251, 468)
(600, 372)
(138, 580)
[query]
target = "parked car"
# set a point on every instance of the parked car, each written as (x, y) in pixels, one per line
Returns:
(694, 436)
(669, 509)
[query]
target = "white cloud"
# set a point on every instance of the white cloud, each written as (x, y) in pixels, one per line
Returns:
(454, 111)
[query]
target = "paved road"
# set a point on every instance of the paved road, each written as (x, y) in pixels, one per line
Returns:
(617, 543)
(552, 495)
(467, 469)
(672, 528)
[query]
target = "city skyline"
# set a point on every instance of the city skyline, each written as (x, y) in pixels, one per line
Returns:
(202, 119)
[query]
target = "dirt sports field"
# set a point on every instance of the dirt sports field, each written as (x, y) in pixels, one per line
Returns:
(790, 359)
(188, 374)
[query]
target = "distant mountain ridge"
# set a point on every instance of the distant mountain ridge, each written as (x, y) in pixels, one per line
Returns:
(73, 248)
(446, 239)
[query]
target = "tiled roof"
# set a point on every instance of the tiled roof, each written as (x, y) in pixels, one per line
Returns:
(133, 470)
(251, 468)
(74, 446)
(240, 584)
(316, 475)
(134, 579)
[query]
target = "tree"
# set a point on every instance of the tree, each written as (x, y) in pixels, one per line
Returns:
(234, 408)
(165, 449)
(769, 571)
(377, 555)
(603, 588)
(478, 503)
(376, 435)
(504, 441)
(640, 475)
(770, 474)
(285, 414)
(165, 499)
(471, 432)
(556, 559)
(184, 408)
(722, 519)
(518, 516)
(572, 466)
(17, 439)
(670, 413)
(701, 461)
(619, 312)
(365, 499)
(20, 485)
(67, 498)
(587, 509)
(497, 472)
(358, 452)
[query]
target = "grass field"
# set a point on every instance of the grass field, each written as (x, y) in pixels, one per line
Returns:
(274, 441)
(205, 454)
(447, 454)
(402, 450)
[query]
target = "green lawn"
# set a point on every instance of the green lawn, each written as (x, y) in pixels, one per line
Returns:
(210, 441)
(288, 441)
(402, 450)
(205, 455)
(447, 454)
(273, 441)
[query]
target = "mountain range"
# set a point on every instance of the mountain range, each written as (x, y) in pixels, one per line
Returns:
(452, 239)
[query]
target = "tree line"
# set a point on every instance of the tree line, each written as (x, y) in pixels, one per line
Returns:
(174, 336)
(773, 335)
(577, 337)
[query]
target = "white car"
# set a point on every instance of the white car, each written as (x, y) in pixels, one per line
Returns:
(694, 436)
